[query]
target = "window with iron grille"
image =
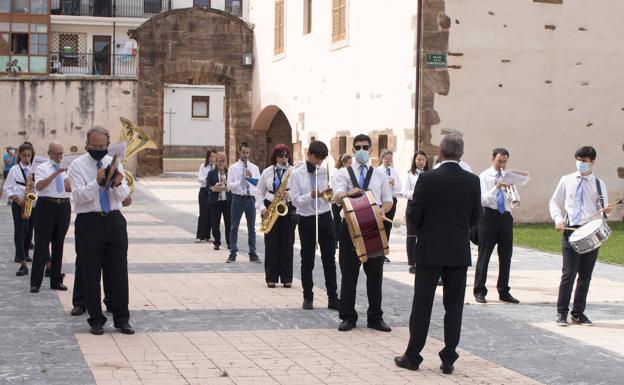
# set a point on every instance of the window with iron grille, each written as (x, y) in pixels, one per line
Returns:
(339, 20)
(72, 48)
(152, 6)
(234, 7)
(279, 27)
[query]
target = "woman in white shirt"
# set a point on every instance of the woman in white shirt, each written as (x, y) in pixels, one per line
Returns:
(203, 222)
(419, 165)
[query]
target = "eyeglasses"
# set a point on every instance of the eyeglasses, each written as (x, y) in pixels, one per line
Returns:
(364, 147)
(55, 153)
(283, 155)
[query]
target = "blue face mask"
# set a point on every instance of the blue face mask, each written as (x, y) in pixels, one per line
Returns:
(361, 156)
(582, 167)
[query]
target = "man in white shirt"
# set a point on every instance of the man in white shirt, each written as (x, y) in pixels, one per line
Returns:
(376, 181)
(242, 178)
(395, 185)
(580, 195)
(495, 228)
(101, 236)
(52, 221)
(306, 185)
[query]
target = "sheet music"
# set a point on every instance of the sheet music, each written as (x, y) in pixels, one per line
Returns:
(39, 160)
(516, 177)
(67, 159)
(118, 149)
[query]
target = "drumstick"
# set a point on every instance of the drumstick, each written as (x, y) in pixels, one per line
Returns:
(570, 228)
(617, 202)
(386, 219)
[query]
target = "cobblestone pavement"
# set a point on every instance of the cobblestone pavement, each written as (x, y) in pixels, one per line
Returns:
(201, 321)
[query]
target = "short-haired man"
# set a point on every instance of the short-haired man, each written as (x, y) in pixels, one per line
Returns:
(306, 185)
(581, 195)
(387, 166)
(376, 181)
(495, 228)
(241, 179)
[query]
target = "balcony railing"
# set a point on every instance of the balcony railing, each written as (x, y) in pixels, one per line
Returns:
(110, 8)
(93, 64)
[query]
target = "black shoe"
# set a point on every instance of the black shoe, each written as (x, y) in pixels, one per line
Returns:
(333, 303)
(254, 258)
(34, 289)
(28, 259)
(412, 270)
(380, 325)
(216, 247)
(97, 330)
(77, 310)
(18, 260)
(562, 320)
(508, 298)
(346, 325)
(58, 286)
(405, 363)
(125, 329)
(386, 260)
(271, 285)
(581, 319)
(23, 270)
(307, 304)
(231, 258)
(287, 285)
(47, 273)
(480, 298)
(447, 368)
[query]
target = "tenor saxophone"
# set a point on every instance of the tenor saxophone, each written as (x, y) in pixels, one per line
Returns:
(29, 197)
(277, 208)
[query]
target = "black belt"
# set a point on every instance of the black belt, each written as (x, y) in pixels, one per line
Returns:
(59, 201)
(244, 196)
(102, 213)
(496, 211)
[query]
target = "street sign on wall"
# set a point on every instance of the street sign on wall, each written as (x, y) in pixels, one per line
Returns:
(435, 60)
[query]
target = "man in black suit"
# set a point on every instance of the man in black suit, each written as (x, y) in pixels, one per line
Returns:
(446, 204)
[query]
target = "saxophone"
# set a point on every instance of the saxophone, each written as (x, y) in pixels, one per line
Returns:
(278, 206)
(29, 197)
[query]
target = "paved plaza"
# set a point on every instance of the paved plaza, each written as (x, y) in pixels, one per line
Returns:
(202, 321)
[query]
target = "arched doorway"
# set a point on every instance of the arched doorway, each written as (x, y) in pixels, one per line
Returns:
(273, 123)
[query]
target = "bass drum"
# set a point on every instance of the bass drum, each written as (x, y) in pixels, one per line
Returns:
(366, 228)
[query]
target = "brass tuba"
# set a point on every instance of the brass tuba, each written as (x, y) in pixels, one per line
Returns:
(136, 140)
(278, 206)
(29, 197)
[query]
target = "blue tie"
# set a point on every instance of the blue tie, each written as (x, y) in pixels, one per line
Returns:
(104, 202)
(578, 203)
(278, 181)
(361, 179)
(58, 180)
(500, 196)
(26, 173)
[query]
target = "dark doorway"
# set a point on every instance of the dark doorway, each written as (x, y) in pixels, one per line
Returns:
(101, 55)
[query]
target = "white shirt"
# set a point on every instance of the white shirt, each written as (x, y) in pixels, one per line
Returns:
(378, 185)
(235, 182)
(15, 183)
(266, 183)
(396, 190)
(489, 191)
(82, 174)
(564, 198)
(301, 185)
(202, 173)
(461, 163)
(410, 184)
(42, 172)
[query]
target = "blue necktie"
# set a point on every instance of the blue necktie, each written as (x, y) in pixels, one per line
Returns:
(58, 180)
(500, 196)
(362, 177)
(578, 203)
(104, 202)
(26, 173)
(278, 181)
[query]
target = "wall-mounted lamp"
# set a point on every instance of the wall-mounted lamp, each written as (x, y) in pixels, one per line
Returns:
(248, 59)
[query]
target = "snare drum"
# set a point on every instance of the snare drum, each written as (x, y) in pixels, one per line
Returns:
(590, 236)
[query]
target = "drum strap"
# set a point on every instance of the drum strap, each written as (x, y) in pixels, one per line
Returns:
(600, 196)
(354, 180)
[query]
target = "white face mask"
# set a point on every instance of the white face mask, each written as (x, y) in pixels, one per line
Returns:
(582, 167)
(362, 156)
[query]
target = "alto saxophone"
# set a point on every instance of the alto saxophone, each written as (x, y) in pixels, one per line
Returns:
(277, 208)
(29, 197)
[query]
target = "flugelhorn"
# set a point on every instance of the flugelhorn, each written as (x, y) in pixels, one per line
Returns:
(136, 140)
(512, 194)
(328, 193)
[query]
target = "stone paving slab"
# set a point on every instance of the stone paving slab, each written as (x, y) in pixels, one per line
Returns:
(606, 334)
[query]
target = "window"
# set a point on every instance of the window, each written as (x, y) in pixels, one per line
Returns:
(5, 6)
(234, 7)
(39, 7)
(342, 145)
(201, 3)
(68, 48)
(307, 16)
(20, 6)
(382, 144)
(201, 107)
(152, 6)
(38, 44)
(339, 20)
(19, 43)
(279, 27)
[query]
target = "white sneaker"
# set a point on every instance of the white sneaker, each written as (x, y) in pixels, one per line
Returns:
(198, 240)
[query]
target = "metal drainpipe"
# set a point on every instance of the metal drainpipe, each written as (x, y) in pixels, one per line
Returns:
(418, 69)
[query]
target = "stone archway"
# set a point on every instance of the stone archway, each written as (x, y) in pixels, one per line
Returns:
(194, 46)
(276, 128)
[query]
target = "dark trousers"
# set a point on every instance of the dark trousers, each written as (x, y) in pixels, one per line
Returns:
(327, 243)
(243, 204)
(350, 268)
(102, 244)
(20, 234)
(494, 229)
(203, 222)
(410, 245)
(425, 283)
(390, 215)
(51, 225)
(218, 210)
(278, 249)
(575, 264)
(337, 220)
(78, 293)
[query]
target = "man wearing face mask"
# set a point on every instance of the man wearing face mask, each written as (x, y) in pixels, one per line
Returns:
(52, 221)
(101, 236)
(352, 181)
(581, 195)
(306, 185)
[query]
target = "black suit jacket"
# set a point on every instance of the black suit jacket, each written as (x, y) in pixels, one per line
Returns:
(446, 204)
(211, 180)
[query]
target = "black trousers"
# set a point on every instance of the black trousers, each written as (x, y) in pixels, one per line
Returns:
(390, 215)
(218, 210)
(278, 248)
(78, 293)
(51, 225)
(20, 233)
(425, 283)
(350, 268)
(203, 222)
(102, 244)
(337, 220)
(494, 229)
(410, 245)
(327, 243)
(575, 264)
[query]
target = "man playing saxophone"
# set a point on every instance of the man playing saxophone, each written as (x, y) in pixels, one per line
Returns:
(273, 202)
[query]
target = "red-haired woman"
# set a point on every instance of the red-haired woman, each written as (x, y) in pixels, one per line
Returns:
(278, 243)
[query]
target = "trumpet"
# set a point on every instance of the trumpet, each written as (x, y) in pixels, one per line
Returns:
(328, 193)
(511, 192)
